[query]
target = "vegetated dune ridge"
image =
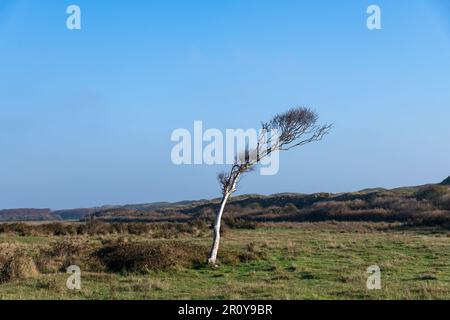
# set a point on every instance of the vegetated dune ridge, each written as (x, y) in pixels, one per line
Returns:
(420, 205)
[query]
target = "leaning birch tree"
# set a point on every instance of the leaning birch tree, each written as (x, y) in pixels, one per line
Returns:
(285, 131)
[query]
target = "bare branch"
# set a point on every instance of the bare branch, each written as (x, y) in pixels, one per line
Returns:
(294, 128)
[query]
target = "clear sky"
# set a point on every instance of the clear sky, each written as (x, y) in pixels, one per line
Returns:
(86, 115)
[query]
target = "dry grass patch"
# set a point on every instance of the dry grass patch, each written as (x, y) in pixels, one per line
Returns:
(16, 265)
(61, 255)
(152, 256)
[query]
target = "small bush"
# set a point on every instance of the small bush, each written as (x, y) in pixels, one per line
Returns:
(61, 255)
(145, 257)
(234, 223)
(20, 229)
(137, 228)
(17, 266)
(433, 193)
(56, 229)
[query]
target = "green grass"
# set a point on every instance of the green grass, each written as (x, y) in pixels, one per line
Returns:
(15, 239)
(306, 261)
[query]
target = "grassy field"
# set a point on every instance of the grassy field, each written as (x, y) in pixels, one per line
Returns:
(302, 261)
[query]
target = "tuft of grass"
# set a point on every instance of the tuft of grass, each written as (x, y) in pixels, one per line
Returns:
(426, 277)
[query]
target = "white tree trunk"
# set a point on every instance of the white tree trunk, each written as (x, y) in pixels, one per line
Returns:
(216, 233)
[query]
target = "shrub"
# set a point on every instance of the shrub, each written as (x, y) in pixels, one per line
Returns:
(61, 255)
(20, 229)
(445, 202)
(137, 228)
(432, 193)
(98, 228)
(16, 266)
(237, 223)
(56, 229)
(145, 257)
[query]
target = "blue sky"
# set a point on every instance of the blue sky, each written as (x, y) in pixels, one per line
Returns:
(86, 116)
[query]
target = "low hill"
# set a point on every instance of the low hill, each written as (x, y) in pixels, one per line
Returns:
(43, 214)
(27, 215)
(428, 204)
(446, 182)
(73, 214)
(422, 205)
